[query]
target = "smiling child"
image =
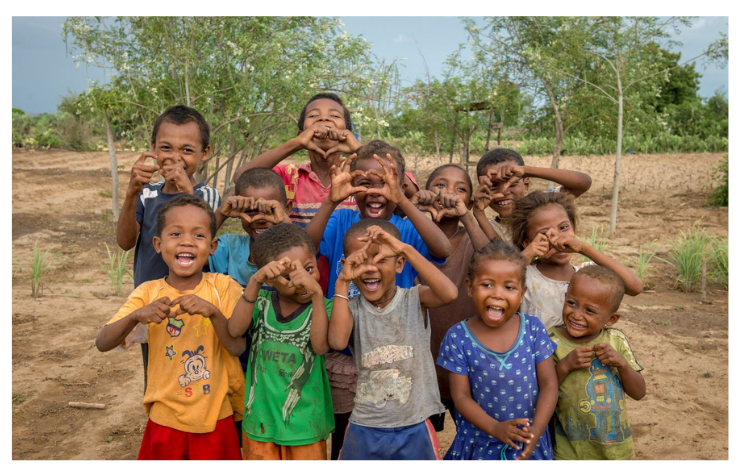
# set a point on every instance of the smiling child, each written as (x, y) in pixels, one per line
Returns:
(193, 370)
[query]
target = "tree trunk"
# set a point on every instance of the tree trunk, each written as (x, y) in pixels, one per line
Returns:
(488, 131)
(559, 132)
(113, 165)
(617, 162)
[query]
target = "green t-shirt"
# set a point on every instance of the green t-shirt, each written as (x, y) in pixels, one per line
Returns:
(591, 416)
(288, 400)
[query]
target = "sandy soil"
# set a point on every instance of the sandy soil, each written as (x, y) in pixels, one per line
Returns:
(61, 200)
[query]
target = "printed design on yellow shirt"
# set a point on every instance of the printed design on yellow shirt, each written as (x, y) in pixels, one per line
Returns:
(174, 326)
(195, 367)
(170, 352)
(201, 328)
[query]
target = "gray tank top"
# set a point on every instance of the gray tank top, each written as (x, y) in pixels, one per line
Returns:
(396, 381)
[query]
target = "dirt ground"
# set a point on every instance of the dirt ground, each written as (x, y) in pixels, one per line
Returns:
(61, 200)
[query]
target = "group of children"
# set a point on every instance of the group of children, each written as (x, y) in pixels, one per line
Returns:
(350, 284)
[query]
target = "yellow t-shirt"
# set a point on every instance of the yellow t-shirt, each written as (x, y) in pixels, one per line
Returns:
(193, 381)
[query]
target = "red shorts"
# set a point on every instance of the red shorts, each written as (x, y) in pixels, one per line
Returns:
(162, 442)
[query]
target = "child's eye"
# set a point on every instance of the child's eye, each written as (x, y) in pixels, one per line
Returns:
(200, 235)
(164, 147)
(570, 302)
(187, 151)
(175, 233)
(309, 269)
(462, 189)
(590, 311)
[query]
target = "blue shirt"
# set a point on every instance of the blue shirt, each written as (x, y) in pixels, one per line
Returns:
(232, 258)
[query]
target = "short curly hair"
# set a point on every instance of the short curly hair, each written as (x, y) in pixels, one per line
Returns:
(497, 249)
(496, 156)
(525, 207)
(358, 229)
(333, 97)
(180, 115)
(380, 148)
(181, 201)
(277, 240)
(608, 278)
(261, 178)
(439, 169)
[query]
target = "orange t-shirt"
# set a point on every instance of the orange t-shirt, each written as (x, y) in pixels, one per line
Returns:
(193, 381)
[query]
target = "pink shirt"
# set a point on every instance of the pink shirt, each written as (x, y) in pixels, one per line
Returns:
(304, 188)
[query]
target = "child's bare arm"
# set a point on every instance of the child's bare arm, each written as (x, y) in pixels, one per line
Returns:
(571, 244)
(127, 229)
(341, 324)
(241, 317)
(482, 198)
(508, 432)
(440, 290)
(269, 159)
(341, 188)
(575, 183)
(438, 244)
(547, 398)
(192, 304)
(632, 380)
(114, 333)
(473, 229)
(299, 277)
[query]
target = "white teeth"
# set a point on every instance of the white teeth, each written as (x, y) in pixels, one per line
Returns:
(375, 205)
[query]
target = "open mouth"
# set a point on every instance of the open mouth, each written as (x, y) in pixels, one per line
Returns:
(494, 313)
(576, 326)
(185, 259)
(371, 284)
(259, 231)
(374, 210)
(504, 203)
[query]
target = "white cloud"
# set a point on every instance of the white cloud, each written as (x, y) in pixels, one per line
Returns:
(400, 39)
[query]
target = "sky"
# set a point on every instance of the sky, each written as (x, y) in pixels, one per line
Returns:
(44, 71)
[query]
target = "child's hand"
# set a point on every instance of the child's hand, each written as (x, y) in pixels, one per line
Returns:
(300, 279)
(426, 201)
(538, 248)
(356, 264)
(341, 180)
(391, 189)
(484, 194)
(347, 143)
(609, 356)
(579, 358)
(450, 205)
(235, 206)
(509, 432)
(174, 173)
(388, 246)
(269, 210)
(563, 242)
(306, 138)
(507, 175)
(272, 272)
(141, 174)
(155, 312)
(192, 304)
(528, 449)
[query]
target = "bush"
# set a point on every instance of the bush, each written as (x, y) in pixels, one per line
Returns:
(720, 196)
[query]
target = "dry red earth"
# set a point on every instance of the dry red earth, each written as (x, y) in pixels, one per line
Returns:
(61, 200)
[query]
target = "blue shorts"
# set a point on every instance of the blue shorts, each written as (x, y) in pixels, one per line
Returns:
(414, 442)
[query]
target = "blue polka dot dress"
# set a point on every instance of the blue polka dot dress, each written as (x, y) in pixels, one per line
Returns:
(503, 384)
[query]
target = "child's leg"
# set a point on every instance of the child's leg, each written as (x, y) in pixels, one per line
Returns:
(341, 420)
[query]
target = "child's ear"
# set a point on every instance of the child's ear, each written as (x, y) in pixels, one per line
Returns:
(612, 319)
(469, 287)
(526, 183)
(288, 207)
(157, 243)
(214, 245)
(153, 146)
(399, 264)
(206, 151)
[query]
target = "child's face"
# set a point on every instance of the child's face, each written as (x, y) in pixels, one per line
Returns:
(372, 205)
(452, 180)
(552, 216)
(377, 286)
(255, 228)
(587, 308)
(186, 241)
(496, 290)
(503, 206)
(182, 144)
(308, 260)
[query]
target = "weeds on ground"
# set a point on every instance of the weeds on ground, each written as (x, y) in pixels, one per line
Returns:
(38, 268)
(687, 253)
(115, 267)
(646, 253)
(596, 240)
(719, 257)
